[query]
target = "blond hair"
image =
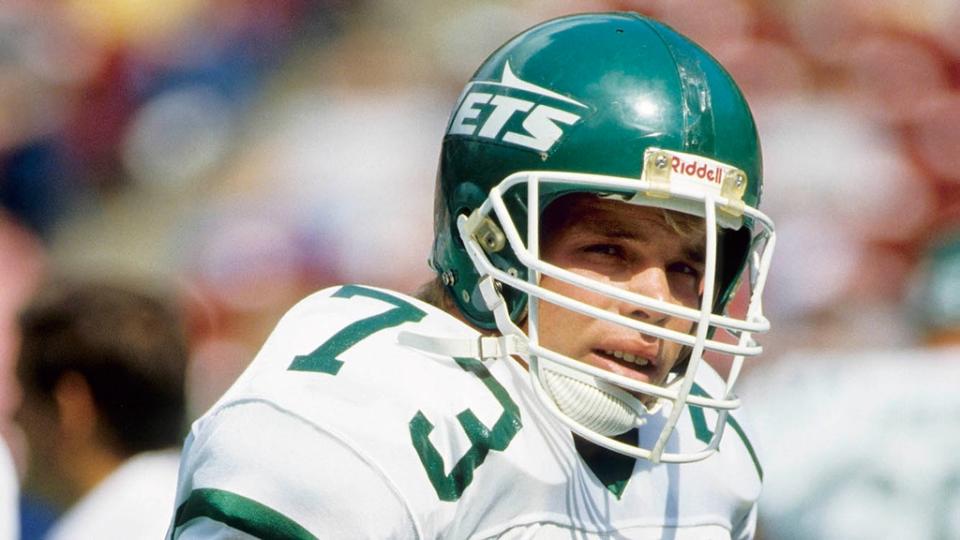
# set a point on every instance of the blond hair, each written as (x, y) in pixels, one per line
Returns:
(688, 226)
(435, 293)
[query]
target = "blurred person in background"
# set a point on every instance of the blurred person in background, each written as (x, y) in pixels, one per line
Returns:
(21, 265)
(873, 454)
(934, 299)
(101, 368)
(523, 392)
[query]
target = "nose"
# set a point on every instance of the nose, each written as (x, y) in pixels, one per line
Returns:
(651, 282)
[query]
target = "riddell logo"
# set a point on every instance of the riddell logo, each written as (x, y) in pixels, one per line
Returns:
(512, 111)
(703, 171)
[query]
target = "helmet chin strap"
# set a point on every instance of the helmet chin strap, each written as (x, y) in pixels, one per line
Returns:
(498, 306)
(597, 405)
(511, 342)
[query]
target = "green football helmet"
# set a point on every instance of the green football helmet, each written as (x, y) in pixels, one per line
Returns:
(626, 108)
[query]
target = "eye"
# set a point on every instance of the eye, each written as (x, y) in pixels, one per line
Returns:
(686, 281)
(610, 250)
(684, 269)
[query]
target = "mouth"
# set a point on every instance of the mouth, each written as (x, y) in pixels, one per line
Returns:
(630, 365)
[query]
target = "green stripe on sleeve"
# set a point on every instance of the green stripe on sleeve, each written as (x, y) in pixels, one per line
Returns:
(743, 436)
(703, 432)
(239, 512)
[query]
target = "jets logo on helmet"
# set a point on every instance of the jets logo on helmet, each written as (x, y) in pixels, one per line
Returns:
(515, 112)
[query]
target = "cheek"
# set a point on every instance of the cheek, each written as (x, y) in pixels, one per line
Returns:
(577, 293)
(550, 313)
(686, 291)
(680, 325)
(557, 324)
(562, 319)
(39, 430)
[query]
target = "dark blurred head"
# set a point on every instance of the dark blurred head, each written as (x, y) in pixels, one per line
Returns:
(127, 346)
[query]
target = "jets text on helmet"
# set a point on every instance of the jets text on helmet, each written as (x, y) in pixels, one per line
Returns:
(513, 111)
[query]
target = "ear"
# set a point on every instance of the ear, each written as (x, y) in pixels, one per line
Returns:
(76, 411)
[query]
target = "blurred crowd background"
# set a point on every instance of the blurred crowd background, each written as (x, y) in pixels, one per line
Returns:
(244, 153)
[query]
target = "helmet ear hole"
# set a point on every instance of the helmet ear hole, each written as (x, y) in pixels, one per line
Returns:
(731, 260)
(461, 211)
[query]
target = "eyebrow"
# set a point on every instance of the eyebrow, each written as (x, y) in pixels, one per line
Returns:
(613, 229)
(695, 252)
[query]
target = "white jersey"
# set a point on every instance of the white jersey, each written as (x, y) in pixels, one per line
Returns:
(337, 431)
(9, 494)
(129, 504)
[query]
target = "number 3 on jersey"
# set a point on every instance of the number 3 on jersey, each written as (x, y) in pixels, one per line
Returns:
(483, 439)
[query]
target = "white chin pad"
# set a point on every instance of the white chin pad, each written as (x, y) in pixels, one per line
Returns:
(597, 405)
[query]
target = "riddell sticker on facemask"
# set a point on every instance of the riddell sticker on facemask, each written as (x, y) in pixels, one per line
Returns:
(698, 168)
(663, 168)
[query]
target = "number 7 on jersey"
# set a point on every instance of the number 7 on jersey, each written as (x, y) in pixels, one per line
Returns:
(324, 358)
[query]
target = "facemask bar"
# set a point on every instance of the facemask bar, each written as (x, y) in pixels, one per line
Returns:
(703, 318)
(761, 250)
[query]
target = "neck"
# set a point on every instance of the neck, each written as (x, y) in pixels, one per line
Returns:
(84, 468)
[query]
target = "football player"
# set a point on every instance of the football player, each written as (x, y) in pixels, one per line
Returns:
(596, 209)
(934, 297)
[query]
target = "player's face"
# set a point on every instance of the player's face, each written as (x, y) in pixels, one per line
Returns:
(631, 247)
